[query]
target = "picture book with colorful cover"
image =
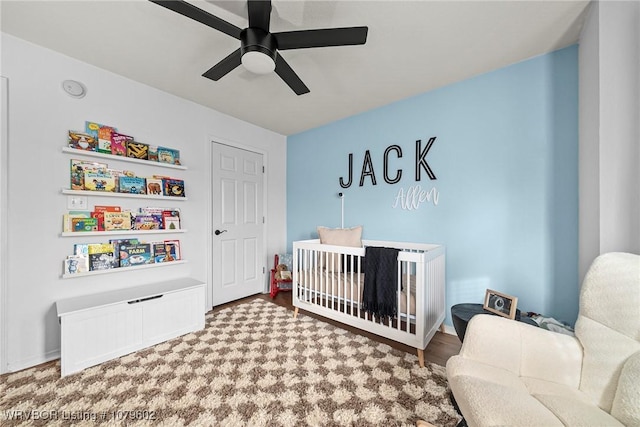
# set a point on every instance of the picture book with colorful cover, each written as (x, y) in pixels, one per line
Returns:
(99, 181)
(168, 155)
(84, 224)
(146, 222)
(117, 221)
(173, 187)
(78, 169)
(137, 150)
(154, 212)
(172, 248)
(159, 251)
(154, 186)
(119, 242)
(102, 134)
(98, 214)
(80, 259)
(135, 254)
(106, 208)
(132, 185)
(101, 256)
(116, 174)
(82, 141)
(81, 249)
(171, 222)
(153, 153)
(67, 225)
(99, 217)
(119, 143)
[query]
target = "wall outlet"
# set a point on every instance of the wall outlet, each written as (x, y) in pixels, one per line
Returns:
(77, 203)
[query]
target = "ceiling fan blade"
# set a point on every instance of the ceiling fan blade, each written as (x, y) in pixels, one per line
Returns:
(290, 77)
(223, 67)
(321, 38)
(190, 11)
(259, 14)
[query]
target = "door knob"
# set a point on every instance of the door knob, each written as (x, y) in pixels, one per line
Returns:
(219, 232)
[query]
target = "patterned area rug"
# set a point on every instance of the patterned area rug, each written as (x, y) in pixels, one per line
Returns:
(252, 365)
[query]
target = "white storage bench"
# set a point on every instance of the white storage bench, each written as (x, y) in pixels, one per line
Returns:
(99, 327)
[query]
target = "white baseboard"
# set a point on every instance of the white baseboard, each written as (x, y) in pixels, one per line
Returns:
(450, 330)
(33, 361)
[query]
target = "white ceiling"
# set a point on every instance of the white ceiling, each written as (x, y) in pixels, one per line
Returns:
(412, 47)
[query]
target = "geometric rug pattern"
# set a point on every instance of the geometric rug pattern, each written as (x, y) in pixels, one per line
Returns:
(252, 365)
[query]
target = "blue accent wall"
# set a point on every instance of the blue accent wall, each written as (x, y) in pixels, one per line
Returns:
(505, 161)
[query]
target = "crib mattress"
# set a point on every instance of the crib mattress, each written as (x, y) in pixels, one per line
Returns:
(342, 285)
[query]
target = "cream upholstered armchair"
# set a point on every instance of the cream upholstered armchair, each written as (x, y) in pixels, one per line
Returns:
(512, 374)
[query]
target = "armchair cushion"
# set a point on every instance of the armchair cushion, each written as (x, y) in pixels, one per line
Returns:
(625, 405)
(510, 373)
(524, 350)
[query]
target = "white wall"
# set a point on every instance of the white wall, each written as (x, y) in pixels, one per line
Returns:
(610, 131)
(40, 114)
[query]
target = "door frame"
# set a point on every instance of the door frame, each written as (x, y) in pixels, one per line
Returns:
(212, 139)
(4, 212)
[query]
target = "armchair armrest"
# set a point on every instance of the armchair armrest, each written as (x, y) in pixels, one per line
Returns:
(524, 350)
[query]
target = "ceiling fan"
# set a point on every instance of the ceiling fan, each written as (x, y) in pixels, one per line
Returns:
(259, 48)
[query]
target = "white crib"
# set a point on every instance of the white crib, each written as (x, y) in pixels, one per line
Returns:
(328, 280)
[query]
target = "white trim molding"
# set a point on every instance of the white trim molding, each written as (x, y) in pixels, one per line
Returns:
(4, 229)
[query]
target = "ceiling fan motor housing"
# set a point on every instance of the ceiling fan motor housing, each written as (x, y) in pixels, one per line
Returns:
(258, 50)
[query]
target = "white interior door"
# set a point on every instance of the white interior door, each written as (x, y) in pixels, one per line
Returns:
(238, 252)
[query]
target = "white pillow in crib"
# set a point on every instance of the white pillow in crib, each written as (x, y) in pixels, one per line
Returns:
(351, 237)
(341, 236)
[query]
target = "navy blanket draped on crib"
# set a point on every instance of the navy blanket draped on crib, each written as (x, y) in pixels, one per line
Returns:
(379, 296)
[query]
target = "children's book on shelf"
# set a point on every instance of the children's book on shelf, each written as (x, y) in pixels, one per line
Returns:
(82, 141)
(168, 155)
(102, 133)
(173, 187)
(159, 252)
(132, 185)
(137, 150)
(84, 224)
(117, 221)
(81, 249)
(154, 186)
(171, 222)
(79, 261)
(101, 256)
(153, 153)
(99, 181)
(106, 208)
(161, 213)
(76, 264)
(116, 174)
(98, 214)
(135, 254)
(172, 249)
(117, 243)
(99, 217)
(146, 222)
(156, 213)
(67, 225)
(119, 143)
(78, 169)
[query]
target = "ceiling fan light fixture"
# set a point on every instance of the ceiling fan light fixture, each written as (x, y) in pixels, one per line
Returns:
(258, 62)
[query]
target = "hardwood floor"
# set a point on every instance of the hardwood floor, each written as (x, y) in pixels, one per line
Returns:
(439, 350)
